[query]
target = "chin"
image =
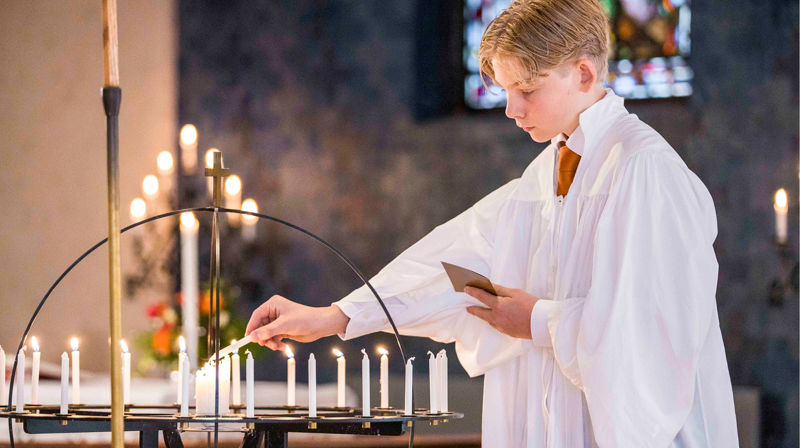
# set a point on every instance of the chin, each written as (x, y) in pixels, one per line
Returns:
(537, 136)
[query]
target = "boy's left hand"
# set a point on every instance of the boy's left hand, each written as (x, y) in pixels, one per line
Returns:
(508, 312)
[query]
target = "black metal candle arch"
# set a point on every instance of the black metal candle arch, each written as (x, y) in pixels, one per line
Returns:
(270, 429)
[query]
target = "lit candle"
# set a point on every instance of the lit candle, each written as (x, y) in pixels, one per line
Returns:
(290, 374)
(312, 386)
(384, 380)
(188, 141)
(126, 372)
(64, 383)
(150, 186)
(340, 380)
(165, 162)
(190, 272)
(249, 221)
(236, 379)
(183, 367)
(76, 372)
(210, 164)
(781, 213)
(250, 385)
(21, 380)
(2, 374)
(365, 407)
(34, 371)
(433, 383)
(409, 387)
(233, 198)
(138, 209)
(442, 371)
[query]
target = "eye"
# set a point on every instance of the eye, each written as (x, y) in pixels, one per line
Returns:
(528, 92)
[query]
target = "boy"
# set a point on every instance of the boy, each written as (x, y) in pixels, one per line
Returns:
(607, 334)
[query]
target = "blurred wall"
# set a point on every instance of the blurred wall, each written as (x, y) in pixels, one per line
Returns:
(52, 152)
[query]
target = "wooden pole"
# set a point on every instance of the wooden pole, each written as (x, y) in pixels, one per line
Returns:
(112, 96)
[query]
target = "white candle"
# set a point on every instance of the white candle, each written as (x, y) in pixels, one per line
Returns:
(365, 406)
(340, 377)
(224, 385)
(64, 383)
(182, 346)
(190, 272)
(165, 162)
(35, 371)
(21, 381)
(150, 189)
(2, 375)
(188, 141)
(183, 367)
(201, 392)
(76, 372)
(409, 402)
(433, 383)
(249, 221)
(250, 385)
(312, 386)
(290, 377)
(781, 212)
(233, 198)
(442, 371)
(236, 380)
(126, 372)
(384, 380)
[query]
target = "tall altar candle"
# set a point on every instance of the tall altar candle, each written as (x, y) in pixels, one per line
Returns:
(248, 221)
(290, 377)
(384, 380)
(249, 385)
(781, 213)
(64, 383)
(236, 380)
(126, 372)
(150, 189)
(76, 372)
(188, 142)
(35, 371)
(341, 370)
(183, 368)
(21, 380)
(312, 386)
(441, 359)
(433, 383)
(365, 406)
(190, 273)
(409, 395)
(233, 198)
(165, 163)
(2, 375)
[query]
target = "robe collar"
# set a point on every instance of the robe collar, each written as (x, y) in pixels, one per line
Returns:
(593, 122)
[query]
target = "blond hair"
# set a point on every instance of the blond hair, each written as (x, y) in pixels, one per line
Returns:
(544, 34)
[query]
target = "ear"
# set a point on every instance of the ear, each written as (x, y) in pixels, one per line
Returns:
(586, 74)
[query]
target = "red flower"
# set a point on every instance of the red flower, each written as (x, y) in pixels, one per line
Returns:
(155, 310)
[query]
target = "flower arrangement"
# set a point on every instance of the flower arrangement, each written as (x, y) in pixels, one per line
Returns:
(158, 347)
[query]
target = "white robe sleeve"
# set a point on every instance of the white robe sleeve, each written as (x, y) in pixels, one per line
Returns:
(632, 345)
(420, 297)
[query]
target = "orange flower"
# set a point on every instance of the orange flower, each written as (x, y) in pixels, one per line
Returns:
(205, 302)
(161, 340)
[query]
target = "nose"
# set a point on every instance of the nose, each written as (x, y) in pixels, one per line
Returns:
(513, 109)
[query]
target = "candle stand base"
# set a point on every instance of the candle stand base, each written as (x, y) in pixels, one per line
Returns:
(269, 428)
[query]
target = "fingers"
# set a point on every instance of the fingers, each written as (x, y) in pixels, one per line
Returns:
(267, 332)
(264, 314)
(482, 313)
(502, 290)
(484, 297)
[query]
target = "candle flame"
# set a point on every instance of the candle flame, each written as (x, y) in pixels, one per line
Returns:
(233, 185)
(188, 221)
(150, 185)
(124, 345)
(249, 205)
(210, 157)
(383, 351)
(74, 343)
(182, 344)
(289, 352)
(781, 199)
(138, 208)
(188, 134)
(35, 344)
(338, 353)
(164, 161)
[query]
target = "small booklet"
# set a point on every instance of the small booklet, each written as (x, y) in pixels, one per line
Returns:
(461, 277)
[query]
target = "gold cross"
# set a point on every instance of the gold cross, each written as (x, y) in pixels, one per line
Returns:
(218, 173)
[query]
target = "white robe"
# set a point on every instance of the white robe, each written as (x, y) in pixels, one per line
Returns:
(627, 349)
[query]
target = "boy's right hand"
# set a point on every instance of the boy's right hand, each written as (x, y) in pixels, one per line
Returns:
(279, 318)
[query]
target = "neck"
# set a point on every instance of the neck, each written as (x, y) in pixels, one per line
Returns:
(594, 95)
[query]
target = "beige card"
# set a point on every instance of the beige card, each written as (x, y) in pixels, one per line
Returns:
(461, 277)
